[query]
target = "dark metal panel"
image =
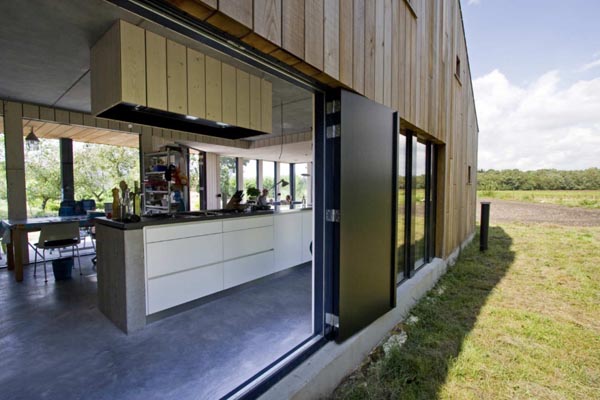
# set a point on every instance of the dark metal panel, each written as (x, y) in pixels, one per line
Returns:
(366, 212)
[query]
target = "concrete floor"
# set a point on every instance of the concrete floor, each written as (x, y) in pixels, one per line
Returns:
(55, 343)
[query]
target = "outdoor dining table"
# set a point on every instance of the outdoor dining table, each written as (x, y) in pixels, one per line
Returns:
(16, 228)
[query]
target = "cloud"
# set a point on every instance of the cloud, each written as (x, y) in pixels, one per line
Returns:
(539, 125)
(591, 65)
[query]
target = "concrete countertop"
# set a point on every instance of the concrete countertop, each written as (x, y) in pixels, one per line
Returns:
(182, 218)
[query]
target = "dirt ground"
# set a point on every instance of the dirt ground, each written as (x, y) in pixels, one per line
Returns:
(516, 211)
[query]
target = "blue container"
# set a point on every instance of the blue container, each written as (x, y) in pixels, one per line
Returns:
(65, 211)
(62, 268)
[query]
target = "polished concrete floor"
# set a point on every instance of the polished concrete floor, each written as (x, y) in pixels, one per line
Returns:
(56, 344)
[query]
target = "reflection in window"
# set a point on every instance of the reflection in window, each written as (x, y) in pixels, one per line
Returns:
(228, 178)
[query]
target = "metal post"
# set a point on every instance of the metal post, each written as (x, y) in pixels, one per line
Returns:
(484, 226)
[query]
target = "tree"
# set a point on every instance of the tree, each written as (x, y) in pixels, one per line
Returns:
(42, 175)
(99, 168)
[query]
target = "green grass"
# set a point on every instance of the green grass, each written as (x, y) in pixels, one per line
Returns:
(518, 321)
(571, 198)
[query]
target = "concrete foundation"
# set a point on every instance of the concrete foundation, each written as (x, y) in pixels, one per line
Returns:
(321, 373)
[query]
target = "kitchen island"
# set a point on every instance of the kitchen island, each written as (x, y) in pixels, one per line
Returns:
(160, 265)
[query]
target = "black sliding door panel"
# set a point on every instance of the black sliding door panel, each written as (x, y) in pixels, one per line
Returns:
(366, 221)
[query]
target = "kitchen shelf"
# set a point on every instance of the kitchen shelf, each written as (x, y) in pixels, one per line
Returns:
(156, 178)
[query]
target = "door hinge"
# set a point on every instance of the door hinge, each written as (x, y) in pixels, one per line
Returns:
(332, 215)
(332, 107)
(333, 131)
(332, 320)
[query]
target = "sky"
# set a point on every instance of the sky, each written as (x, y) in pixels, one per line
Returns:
(535, 66)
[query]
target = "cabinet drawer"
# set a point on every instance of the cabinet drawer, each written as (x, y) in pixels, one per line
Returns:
(247, 269)
(236, 224)
(172, 290)
(246, 242)
(177, 255)
(181, 230)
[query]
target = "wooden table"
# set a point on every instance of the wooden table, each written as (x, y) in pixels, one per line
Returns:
(19, 227)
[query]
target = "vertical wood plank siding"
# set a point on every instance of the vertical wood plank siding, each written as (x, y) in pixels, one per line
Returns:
(398, 54)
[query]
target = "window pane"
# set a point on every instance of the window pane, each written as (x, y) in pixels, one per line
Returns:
(269, 178)
(302, 180)
(195, 181)
(284, 173)
(401, 223)
(228, 179)
(419, 176)
(249, 175)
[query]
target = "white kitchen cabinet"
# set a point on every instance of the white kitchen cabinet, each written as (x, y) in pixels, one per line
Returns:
(175, 289)
(246, 269)
(246, 242)
(288, 240)
(237, 224)
(189, 253)
(183, 230)
(307, 235)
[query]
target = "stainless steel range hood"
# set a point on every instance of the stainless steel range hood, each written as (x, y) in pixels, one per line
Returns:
(143, 78)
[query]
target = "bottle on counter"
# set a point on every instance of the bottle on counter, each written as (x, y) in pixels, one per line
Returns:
(115, 204)
(303, 202)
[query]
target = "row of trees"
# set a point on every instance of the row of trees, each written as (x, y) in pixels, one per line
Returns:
(543, 179)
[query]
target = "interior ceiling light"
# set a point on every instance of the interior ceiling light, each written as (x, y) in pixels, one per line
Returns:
(223, 124)
(191, 117)
(32, 141)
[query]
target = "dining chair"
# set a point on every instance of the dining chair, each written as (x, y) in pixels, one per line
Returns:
(58, 236)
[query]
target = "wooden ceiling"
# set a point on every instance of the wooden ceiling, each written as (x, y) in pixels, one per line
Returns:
(85, 134)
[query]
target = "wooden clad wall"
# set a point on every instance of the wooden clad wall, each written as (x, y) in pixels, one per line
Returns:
(132, 65)
(401, 53)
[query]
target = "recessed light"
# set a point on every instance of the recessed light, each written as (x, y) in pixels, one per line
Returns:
(222, 124)
(191, 117)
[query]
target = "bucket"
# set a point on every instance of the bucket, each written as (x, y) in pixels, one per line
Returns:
(62, 268)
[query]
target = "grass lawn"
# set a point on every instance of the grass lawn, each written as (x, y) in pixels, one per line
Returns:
(519, 321)
(572, 198)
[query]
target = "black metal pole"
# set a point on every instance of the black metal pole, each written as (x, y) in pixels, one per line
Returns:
(484, 226)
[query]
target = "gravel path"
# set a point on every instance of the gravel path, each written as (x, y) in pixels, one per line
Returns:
(516, 211)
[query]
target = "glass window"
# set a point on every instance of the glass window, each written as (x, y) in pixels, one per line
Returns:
(250, 172)
(420, 206)
(283, 191)
(301, 181)
(269, 178)
(401, 210)
(195, 189)
(416, 199)
(228, 178)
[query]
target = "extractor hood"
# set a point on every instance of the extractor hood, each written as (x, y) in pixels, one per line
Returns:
(143, 78)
